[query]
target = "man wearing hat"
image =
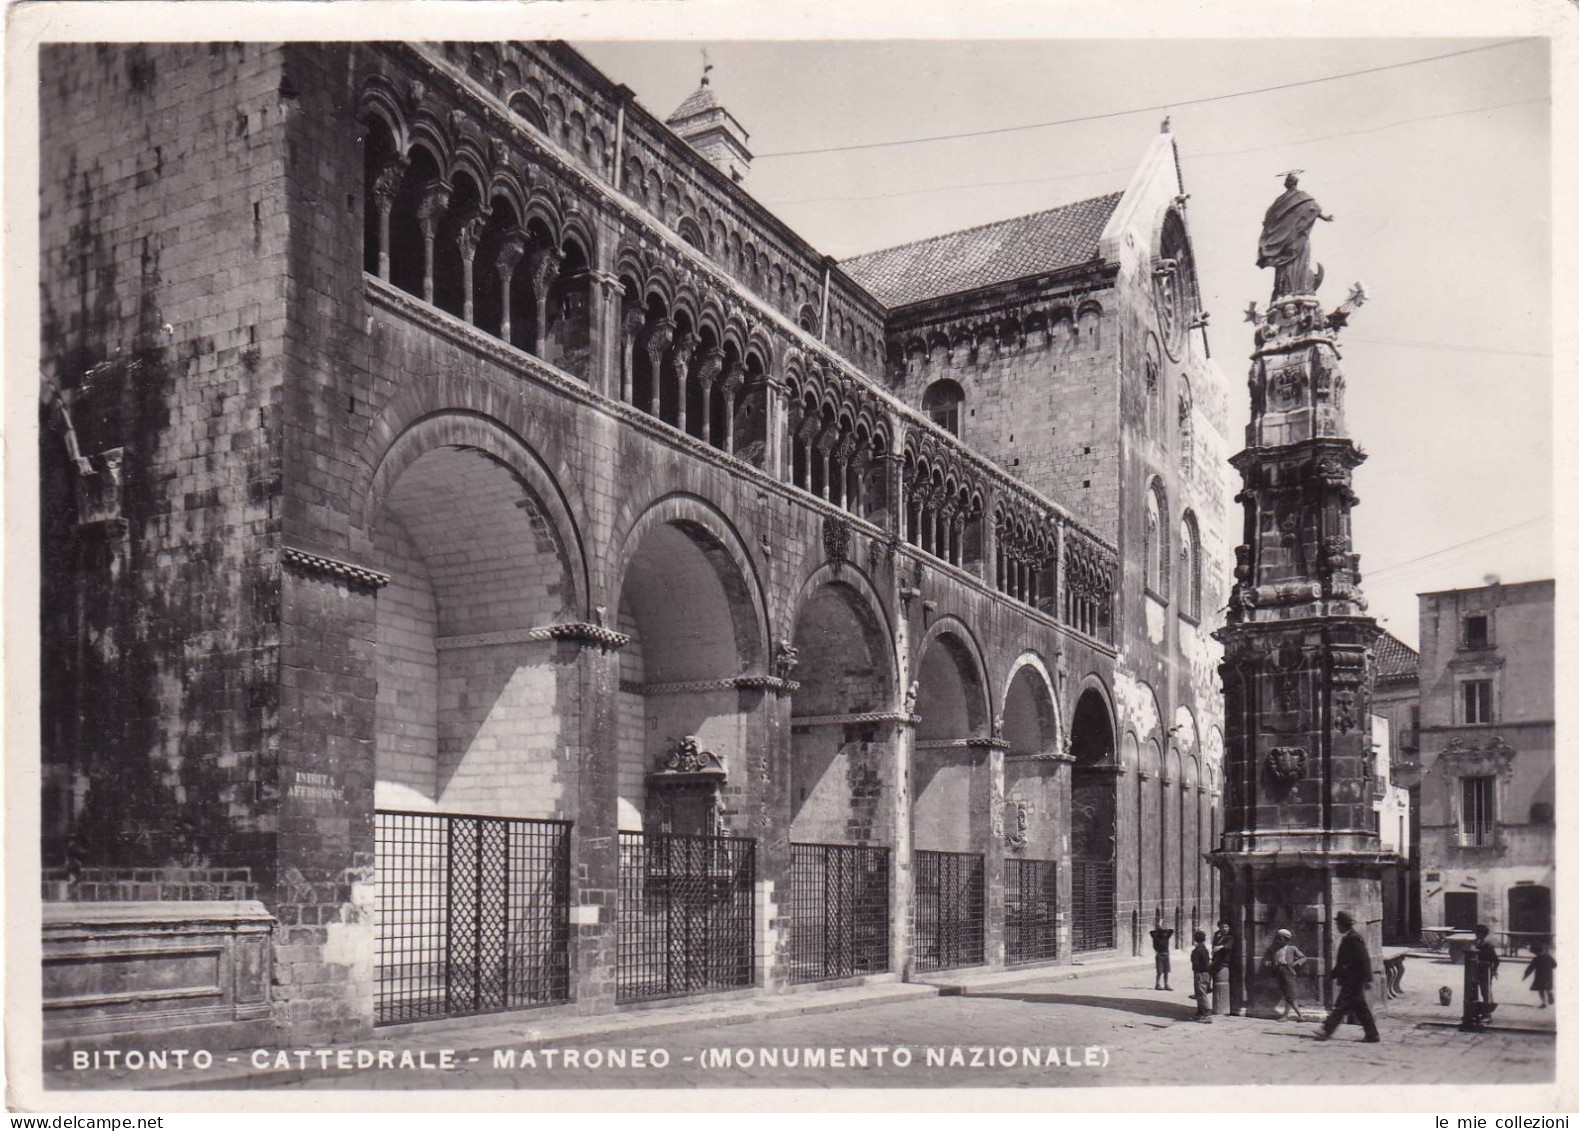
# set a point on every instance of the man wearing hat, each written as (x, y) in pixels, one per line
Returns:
(1351, 969)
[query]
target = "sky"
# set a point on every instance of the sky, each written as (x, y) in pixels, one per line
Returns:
(1437, 172)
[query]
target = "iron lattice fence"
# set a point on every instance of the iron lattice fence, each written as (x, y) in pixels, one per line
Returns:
(838, 911)
(1091, 893)
(473, 914)
(687, 914)
(951, 911)
(1030, 910)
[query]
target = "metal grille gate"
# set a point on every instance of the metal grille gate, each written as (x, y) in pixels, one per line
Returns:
(838, 911)
(951, 911)
(473, 914)
(687, 914)
(1091, 892)
(1030, 910)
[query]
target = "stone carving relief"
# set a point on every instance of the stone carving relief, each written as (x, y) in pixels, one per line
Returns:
(1286, 764)
(686, 756)
(786, 659)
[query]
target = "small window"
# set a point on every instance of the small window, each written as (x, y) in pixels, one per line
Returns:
(1477, 701)
(1476, 818)
(1477, 631)
(942, 403)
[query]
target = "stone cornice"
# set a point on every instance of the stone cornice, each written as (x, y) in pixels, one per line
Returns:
(975, 743)
(575, 631)
(898, 717)
(301, 561)
(725, 683)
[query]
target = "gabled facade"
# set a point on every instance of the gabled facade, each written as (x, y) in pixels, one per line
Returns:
(492, 562)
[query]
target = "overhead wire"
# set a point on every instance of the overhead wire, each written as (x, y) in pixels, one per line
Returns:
(1186, 157)
(1372, 574)
(1165, 106)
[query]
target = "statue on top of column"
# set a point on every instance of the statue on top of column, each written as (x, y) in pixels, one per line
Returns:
(1285, 240)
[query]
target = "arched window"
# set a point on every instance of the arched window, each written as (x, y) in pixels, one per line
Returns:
(943, 403)
(1155, 544)
(524, 107)
(807, 319)
(1190, 567)
(692, 234)
(1186, 427)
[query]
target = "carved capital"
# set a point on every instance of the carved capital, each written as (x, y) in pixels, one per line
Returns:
(431, 206)
(387, 181)
(657, 338)
(512, 246)
(468, 231)
(542, 264)
(684, 346)
(709, 366)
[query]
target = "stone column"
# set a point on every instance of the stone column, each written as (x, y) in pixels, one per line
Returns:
(435, 201)
(680, 355)
(764, 804)
(708, 368)
(609, 348)
(512, 246)
(468, 232)
(386, 186)
(659, 335)
(733, 378)
(543, 265)
(775, 425)
(992, 850)
(631, 323)
(594, 956)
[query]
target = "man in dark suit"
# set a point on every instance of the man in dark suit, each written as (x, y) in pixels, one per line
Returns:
(1351, 969)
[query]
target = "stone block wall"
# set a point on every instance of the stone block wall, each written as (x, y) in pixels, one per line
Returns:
(164, 281)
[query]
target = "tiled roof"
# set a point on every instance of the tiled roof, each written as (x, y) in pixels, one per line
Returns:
(702, 98)
(978, 257)
(1392, 659)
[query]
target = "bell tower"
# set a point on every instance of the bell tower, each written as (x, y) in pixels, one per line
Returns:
(1299, 840)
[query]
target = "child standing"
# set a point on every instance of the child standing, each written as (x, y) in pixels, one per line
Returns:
(1201, 965)
(1285, 960)
(1541, 966)
(1159, 944)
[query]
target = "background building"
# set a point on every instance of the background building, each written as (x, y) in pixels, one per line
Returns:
(1487, 764)
(1395, 701)
(490, 561)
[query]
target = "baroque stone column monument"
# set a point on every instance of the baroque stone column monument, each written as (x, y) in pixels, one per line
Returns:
(1299, 842)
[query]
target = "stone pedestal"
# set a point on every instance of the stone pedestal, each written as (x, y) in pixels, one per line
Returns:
(157, 975)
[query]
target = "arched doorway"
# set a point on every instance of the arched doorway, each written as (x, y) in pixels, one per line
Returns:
(686, 901)
(842, 785)
(1033, 821)
(474, 782)
(1093, 824)
(950, 807)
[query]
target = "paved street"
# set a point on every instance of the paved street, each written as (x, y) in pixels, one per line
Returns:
(1099, 1029)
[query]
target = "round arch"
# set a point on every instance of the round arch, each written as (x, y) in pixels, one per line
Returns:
(400, 443)
(1029, 674)
(703, 522)
(460, 667)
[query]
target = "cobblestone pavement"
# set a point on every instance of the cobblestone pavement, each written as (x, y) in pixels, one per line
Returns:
(1101, 1029)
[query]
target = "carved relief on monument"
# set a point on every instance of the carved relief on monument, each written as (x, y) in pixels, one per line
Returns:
(1285, 765)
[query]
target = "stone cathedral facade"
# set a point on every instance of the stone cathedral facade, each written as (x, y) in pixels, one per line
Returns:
(491, 562)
